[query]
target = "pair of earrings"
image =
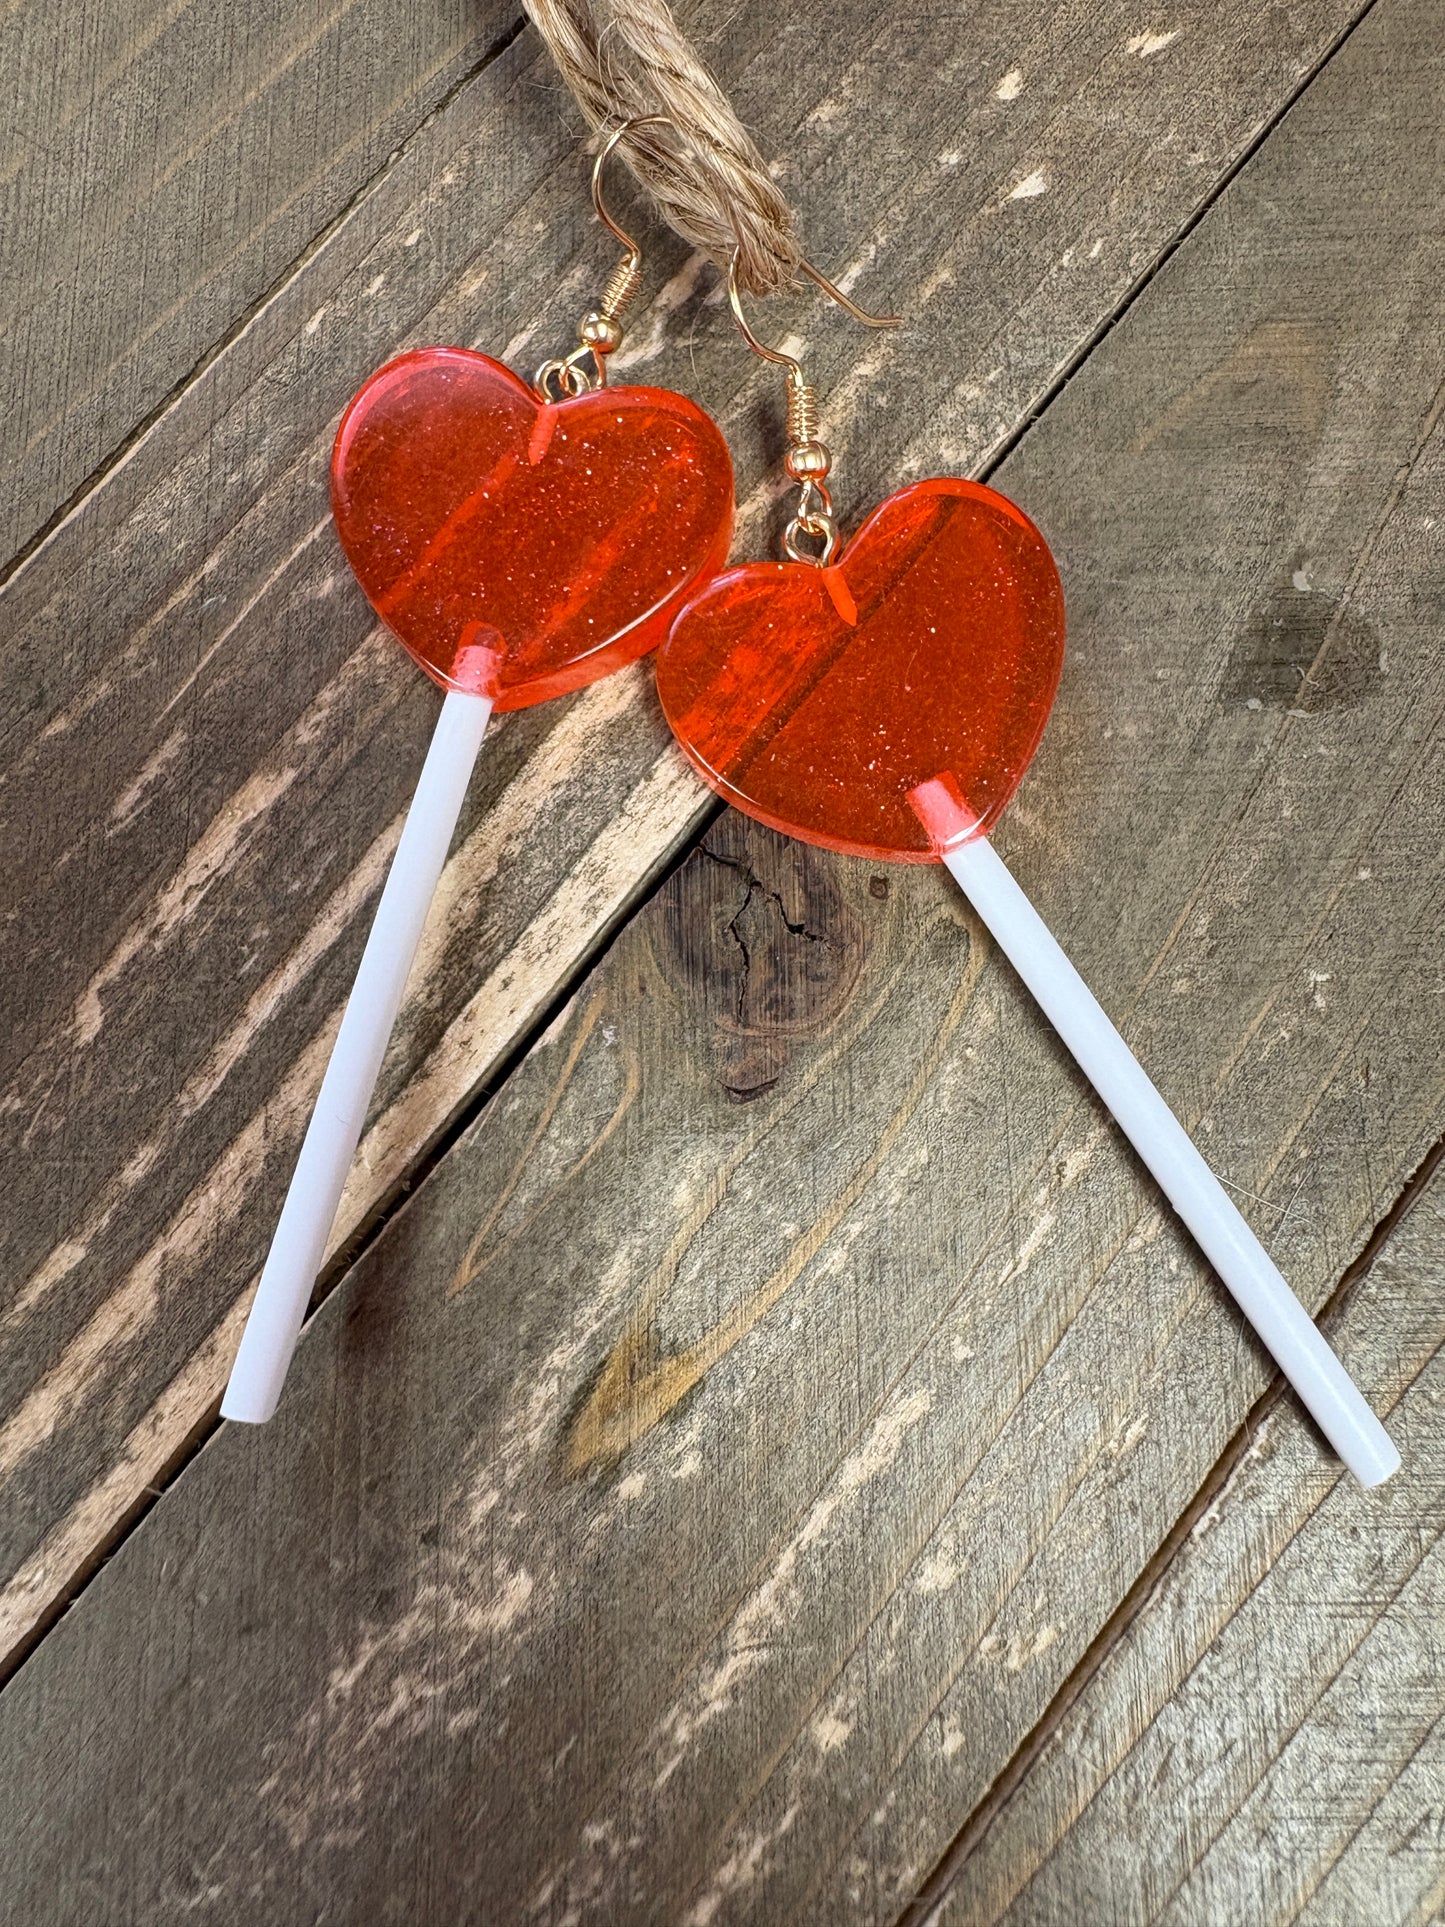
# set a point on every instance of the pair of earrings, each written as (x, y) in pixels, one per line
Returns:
(523, 541)
(881, 699)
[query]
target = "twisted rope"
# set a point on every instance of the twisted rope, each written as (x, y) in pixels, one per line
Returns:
(627, 58)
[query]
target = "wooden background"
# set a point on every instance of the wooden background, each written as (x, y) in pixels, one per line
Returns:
(765, 1451)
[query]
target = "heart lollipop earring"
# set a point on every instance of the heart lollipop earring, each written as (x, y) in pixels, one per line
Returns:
(520, 542)
(884, 699)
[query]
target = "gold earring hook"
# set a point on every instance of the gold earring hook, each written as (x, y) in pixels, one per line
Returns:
(837, 295)
(833, 293)
(600, 333)
(604, 154)
(808, 460)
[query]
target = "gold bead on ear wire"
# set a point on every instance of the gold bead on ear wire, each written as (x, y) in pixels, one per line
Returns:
(808, 459)
(600, 332)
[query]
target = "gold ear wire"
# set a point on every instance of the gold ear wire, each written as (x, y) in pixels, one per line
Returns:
(817, 276)
(833, 293)
(600, 332)
(628, 272)
(808, 460)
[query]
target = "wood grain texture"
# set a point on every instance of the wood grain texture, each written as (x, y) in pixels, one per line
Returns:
(689, 1502)
(207, 744)
(161, 164)
(1268, 1741)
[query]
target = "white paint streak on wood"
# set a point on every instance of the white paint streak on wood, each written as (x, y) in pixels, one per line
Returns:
(262, 1008)
(513, 818)
(133, 1307)
(936, 1573)
(252, 601)
(214, 853)
(832, 1727)
(762, 1616)
(134, 797)
(1145, 44)
(657, 812)
(1029, 1249)
(217, 849)
(740, 1870)
(50, 1573)
(483, 1593)
(1023, 1648)
(641, 348)
(586, 901)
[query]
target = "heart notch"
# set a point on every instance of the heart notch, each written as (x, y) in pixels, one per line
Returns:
(818, 699)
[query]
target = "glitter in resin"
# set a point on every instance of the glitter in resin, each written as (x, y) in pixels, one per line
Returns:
(520, 549)
(817, 699)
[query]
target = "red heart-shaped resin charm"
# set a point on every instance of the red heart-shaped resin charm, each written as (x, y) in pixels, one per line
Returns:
(817, 699)
(521, 548)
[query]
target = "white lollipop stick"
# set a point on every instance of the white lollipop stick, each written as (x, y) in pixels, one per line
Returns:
(332, 1136)
(1226, 1240)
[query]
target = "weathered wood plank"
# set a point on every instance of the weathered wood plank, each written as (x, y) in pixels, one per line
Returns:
(192, 671)
(1283, 1690)
(685, 1507)
(158, 171)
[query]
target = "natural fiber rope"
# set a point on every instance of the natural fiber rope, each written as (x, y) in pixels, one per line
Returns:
(626, 58)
